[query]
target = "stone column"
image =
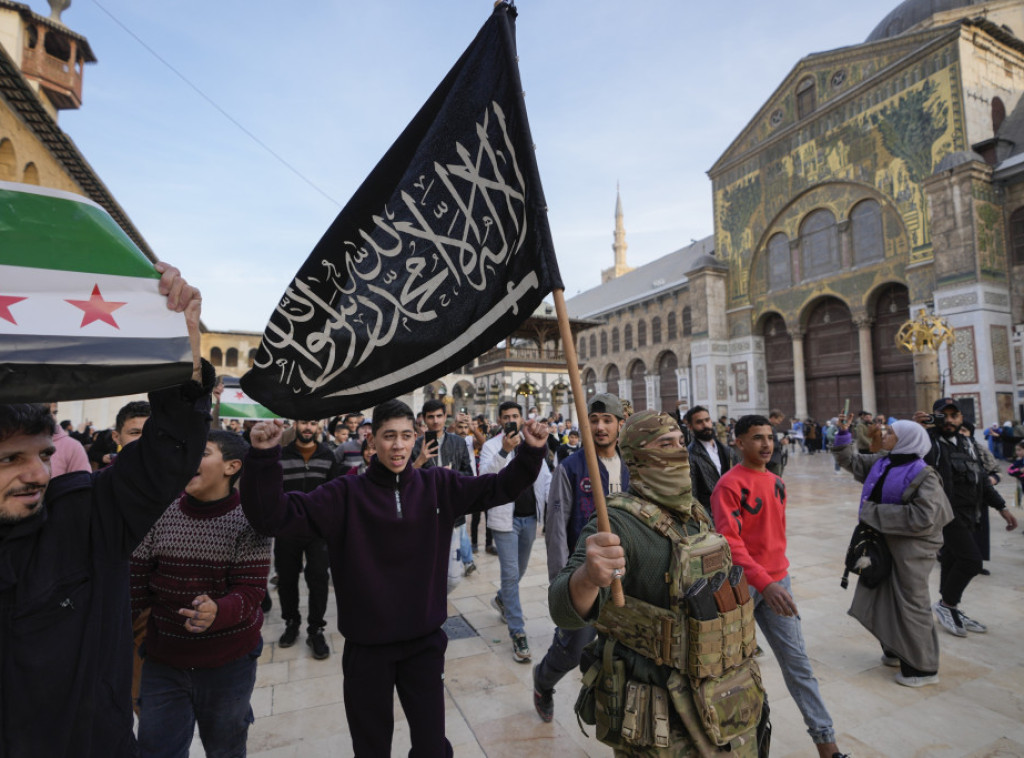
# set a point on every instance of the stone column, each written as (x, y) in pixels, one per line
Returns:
(599, 388)
(867, 365)
(927, 379)
(799, 379)
(653, 392)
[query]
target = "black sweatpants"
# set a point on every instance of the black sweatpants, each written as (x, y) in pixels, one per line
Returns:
(288, 554)
(373, 673)
(961, 561)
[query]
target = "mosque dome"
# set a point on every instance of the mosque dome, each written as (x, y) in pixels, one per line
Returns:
(910, 13)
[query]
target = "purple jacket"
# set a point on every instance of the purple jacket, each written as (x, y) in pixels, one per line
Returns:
(388, 534)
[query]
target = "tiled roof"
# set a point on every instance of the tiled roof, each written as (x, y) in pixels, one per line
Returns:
(659, 275)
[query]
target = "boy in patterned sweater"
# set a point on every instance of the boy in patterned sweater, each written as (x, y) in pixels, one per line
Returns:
(202, 570)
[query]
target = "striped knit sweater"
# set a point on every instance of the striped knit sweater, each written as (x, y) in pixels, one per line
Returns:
(201, 549)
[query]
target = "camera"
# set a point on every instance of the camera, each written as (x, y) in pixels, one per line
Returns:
(937, 419)
(511, 428)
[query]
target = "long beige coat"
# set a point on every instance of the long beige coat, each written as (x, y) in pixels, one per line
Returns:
(899, 611)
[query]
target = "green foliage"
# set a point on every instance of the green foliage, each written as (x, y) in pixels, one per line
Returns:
(910, 127)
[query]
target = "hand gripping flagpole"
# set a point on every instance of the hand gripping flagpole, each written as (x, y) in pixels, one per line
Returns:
(589, 451)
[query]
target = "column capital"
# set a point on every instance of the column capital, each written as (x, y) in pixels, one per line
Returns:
(863, 322)
(797, 334)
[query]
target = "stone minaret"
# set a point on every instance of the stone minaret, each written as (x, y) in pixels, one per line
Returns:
(619, 246)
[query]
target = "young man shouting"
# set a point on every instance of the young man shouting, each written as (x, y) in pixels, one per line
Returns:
(203, 570)
(388, 532)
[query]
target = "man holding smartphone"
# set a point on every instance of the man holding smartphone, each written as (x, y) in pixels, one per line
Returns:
(439, 448)
(514, 525)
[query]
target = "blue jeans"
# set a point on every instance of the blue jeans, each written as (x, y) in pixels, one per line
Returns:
(173, 700)
(787, 642)
(465, 546)
(514, 555)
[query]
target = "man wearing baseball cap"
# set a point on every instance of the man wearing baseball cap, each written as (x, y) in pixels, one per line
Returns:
(570, 506)
(966, 485)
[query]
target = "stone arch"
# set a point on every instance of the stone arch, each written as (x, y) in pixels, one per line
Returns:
(31, 174)
(778, 358)
(895, 390)
(8, 161)
(668, 381)
(216, 356)
(611, 378)
(638, 384)
(231, 357)
(589, 382)
(831, 357)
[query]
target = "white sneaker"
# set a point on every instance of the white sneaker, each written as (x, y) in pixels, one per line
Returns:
(950, 619)
(916, 681)
(971, 625)
(891, 661)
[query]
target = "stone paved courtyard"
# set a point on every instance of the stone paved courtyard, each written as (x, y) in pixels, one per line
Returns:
(976, 711)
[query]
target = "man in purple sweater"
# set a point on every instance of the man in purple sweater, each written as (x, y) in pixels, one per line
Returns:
(388, 532)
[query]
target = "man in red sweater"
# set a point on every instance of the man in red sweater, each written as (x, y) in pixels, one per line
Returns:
(749, 504)
(202, 570)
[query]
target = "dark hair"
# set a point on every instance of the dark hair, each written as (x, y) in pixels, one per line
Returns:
(746, 422)
(432, 405)
(774, 412)
(332, 425)
(233, 447)
(509, 405)
(134, 409)
(968, 426)
(367, 441)
(65, 424)
(25, 418)
(388, 410)
(572, 432)
(693, 412)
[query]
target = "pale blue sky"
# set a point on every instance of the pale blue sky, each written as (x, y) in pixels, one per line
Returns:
(647, 93)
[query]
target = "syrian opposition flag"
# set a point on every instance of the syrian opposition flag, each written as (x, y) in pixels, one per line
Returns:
(80, 313)
(440, 254)
(234, 403)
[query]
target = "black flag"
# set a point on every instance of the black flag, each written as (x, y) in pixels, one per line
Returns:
(440, 254)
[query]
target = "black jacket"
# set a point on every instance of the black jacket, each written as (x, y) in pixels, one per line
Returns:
(65, 621)
(703, 474)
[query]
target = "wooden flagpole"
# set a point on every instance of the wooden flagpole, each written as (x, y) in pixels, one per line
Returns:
(580, 401)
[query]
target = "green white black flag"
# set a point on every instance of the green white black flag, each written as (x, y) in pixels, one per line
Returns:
(80, 312)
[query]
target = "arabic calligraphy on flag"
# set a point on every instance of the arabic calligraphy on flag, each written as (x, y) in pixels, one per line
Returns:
(80, 312)
(443, 250)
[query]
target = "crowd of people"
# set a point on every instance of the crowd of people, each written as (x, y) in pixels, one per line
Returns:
(161, 536)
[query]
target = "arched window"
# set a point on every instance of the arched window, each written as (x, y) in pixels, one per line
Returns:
(627, 333)
(216, 356)
(8, 161)
(593, 345)
(615, 339)
(687, 322)
(641, 334)
(1017, 236)
(866, 224)
(252, 357)
(780, 268)
(671, 325)
(231, 357)
(604, 343)
(655, 331)
(583, 348)
(31, 174)
(806, 100)
(638, 386)
(998, 113)
(819, 245)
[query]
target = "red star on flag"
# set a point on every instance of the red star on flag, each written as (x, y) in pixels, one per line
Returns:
(97, 309)
(239, 395)
(6, 301)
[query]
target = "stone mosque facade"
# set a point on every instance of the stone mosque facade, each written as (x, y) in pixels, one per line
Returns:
(876, 181)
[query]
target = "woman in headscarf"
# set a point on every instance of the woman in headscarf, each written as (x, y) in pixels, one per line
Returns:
(903, 499)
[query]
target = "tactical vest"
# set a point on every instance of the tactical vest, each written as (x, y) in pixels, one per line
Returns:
(715, 686)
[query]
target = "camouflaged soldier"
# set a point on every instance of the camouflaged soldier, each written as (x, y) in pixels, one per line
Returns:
(659, 681)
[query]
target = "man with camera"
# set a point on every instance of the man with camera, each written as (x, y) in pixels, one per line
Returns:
(514, 525)
(966, 485)
(440, 448)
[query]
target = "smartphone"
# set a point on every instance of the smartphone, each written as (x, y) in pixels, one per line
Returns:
(846, 408)
(511, 428)
(430, 439)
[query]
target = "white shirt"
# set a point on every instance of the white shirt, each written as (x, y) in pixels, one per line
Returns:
(712, 449)
(613, 466)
